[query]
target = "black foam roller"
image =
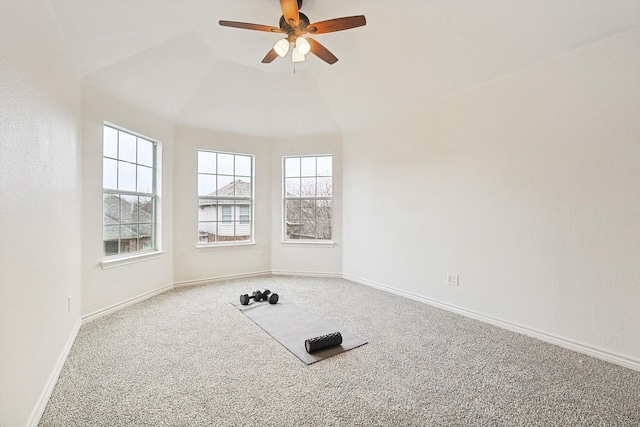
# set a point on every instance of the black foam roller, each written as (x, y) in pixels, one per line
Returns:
(322, 342)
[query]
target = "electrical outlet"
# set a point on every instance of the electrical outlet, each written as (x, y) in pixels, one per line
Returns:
(260, 255)
(453, 279)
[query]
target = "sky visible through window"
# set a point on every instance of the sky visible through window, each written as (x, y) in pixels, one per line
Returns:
(128, 162)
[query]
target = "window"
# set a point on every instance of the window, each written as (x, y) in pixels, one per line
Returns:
(245, 215)
(308, 198)
(129, 192)
(226, 214)
(225, 197)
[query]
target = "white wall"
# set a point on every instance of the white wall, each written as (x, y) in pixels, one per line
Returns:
(318, 259)
(103, 288)
(528, 187)
(195, 264)
(39, 209)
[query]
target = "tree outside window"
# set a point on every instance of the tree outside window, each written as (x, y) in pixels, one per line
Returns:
(308, 192)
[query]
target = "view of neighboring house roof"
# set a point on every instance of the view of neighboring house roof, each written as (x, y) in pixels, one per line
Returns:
(129, 214)
(237, 188)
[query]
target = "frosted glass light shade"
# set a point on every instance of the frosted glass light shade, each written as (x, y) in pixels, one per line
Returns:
(281, 47)
(297, 56)
(302, 45)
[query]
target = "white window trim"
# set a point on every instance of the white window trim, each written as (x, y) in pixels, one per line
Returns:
(303, 242)
(118, 261)
(251, 210)
(224, 245)
(133, 257)
(315, 242)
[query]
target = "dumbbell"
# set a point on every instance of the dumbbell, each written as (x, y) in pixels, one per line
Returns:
(268, 296)
(263, 295)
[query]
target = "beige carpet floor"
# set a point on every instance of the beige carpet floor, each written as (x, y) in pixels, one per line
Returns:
(189, 358)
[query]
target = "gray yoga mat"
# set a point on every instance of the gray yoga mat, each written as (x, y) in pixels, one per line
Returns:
(291, 325)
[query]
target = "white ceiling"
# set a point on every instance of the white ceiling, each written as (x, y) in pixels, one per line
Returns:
(172, 58)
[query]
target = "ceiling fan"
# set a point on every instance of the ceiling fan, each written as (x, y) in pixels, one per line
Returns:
(295, 24)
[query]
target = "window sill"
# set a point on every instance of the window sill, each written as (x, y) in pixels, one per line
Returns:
(314, 243)
(223, 245)
(117, 262)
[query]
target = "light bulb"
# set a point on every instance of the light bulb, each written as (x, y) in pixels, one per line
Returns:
(281, 47)
(302, 45)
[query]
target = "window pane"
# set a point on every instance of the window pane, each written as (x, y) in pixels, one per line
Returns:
(128, 209)
(324, 166)
(323, 210)
(207, 232)
(225, 164)
(206, 162)
(145, 210)
(225, 186)
(240, 236)
(308, 230)
(243, 187)
(126, 176)
(243, 165)
(127, 147)
(110, 142)
(128, 237)
(323, 230)
(308, 166)
(308, 187)
(109, 174)
(145, 232)
(324, 187)
(292, 211)
(292, 167)
(206, 185)
(145, 152)
(110, 209)
(110, 233)
(292, 187)
(145, 180)
(207, 210)
(110, 247)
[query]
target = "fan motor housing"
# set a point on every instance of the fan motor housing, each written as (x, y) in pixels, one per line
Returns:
(297, 30)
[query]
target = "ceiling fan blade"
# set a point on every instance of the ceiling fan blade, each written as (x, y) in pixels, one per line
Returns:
(337, 24)
(290, 11)
(321, 52)
(270, 57)
(247, 26)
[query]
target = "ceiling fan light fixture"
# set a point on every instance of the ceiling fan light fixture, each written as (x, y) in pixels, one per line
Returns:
(302, 45)
(297, 56)
(281, 47)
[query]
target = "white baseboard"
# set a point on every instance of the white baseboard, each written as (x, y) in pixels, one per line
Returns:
(306, 274)
(37, 412)
(607, 356)
(188, 283)
(119, 306)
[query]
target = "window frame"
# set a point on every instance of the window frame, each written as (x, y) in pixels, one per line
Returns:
(315, 199)
(221, 218)
(153, 196)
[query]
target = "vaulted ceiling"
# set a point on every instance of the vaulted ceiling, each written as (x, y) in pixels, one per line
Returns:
(173, 59)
